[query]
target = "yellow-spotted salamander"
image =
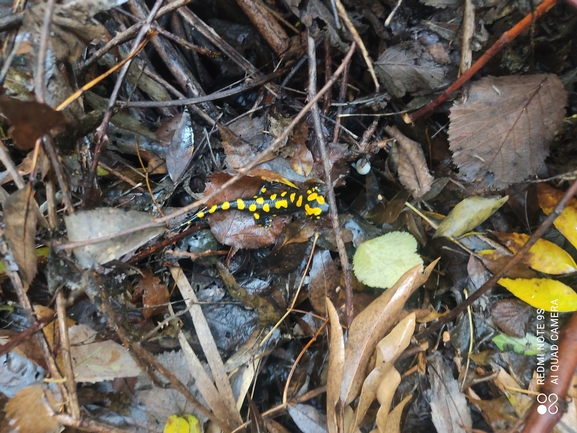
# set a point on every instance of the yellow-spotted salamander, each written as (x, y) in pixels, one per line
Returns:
(264, 206)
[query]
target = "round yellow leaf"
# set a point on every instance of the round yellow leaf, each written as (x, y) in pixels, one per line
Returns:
(549, 295)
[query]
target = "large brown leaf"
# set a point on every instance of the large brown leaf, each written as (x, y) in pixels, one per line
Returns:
(505, 127)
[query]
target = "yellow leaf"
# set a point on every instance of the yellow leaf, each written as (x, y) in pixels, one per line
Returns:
(468, 214)
(544, 256)
(182, 424)
(549, 295)
(566, 222)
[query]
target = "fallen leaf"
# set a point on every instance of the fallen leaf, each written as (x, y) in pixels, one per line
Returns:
(512, 316)
(324, 280)
(407, 67)
(449, 409)
(371, 325)
(181, 147)
(336, 363)
(95, 361)
(468, 214)
(28, 411)
(307, 418)
(412, 167)
(543, 256)
(528, 345)
(549, 295)
(20, 232)
(566, 222)
(381, 261)
(505, 127)
(93, 224)
(155, 296)
(393, 420)
(29, 120)
(387, 352)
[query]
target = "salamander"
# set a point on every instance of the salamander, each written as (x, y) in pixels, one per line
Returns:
(264, 206)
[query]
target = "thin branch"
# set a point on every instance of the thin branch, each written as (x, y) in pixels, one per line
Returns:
(327, 169)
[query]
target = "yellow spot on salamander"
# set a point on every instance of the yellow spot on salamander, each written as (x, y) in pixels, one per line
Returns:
(273, 197)
(292, 196)
(256, 216)
(266, 207)
(279, 204)
(225, 206)
(252, 207)
(200, 214)
(299, 202)
(240, 205)
(282, 194)
(213, 209)
(320, 199)
(312, 211)
(312, 197)
(260, 200)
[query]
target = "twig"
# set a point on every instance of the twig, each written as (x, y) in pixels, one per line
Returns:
(503, 41)
(510, 264)
(327, 169)
(39, 88)
(66, 357)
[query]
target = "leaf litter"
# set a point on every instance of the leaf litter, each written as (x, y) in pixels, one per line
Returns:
(236, 313)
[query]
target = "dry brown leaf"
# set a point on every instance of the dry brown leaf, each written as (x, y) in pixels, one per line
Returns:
(307, 418)
(208, 345)
(96, 361)
(408, 67)
(371, 325)
(324, 279)
(20, 220)
(181, 147)
(155, 296)
(96, 223)
(386, 391)
(505, 127)
(28, 411)
(412, 166)
(392, 423)
(388, 350)
(449, 409)
(29, 120)
(336, 363)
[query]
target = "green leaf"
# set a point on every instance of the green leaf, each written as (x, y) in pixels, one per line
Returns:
(468, 214)
(549, 295)
(528, 345)
(380, 262)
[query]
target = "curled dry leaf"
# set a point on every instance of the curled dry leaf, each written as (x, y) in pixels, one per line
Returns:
(412, 167)
(377, 382)
(505, 126)
(20, 220)
(371, 325)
